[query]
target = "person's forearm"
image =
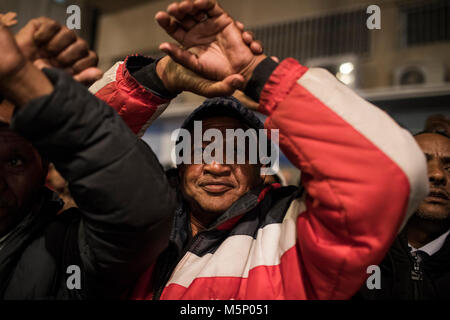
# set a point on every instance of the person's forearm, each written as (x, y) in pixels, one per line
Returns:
(27, 84)
(258, 76)
(115, 178)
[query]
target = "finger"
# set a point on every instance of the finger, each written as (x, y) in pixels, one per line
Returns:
(210, 6)
(90, 61)
(225, 87)
(180, 10)
(181, 56)
(10, 16)
(240, 26)
(47, 29)
(248, 102)
(257, 47)
(89, 76)
(63, 39)
(187, 12)
(174, 10)
(170, 25)
(187, 7)
(73, 53)
(25, 39)
(275, 59)
(236, 81)
(42, 63)
(248, 37)
(212, 26)
(11, 23)
(9, 19)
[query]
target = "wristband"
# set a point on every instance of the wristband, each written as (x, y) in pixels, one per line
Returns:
(260, 75)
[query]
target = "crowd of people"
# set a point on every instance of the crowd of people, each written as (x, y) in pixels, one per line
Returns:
(370, 193)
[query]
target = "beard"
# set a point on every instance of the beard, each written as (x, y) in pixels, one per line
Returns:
(425, 215)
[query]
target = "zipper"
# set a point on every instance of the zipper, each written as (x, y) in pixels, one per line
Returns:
(417, 276)
(194, 241)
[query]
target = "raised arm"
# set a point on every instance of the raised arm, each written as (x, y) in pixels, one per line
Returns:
(141, 88)
(363, 174)
(116, 180)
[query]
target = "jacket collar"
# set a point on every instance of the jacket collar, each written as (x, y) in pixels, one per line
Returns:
(181, 229)
(26, 231)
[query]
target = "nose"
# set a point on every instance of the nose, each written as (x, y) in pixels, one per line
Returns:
(216, 169)
(436, 173)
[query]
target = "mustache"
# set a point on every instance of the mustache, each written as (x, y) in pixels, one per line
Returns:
(439, 193)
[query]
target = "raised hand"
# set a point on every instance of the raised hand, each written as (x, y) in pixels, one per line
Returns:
(12, 60)
(48, 44)
(20, 81)
(177, 78)
(213, 44)
(8, 19)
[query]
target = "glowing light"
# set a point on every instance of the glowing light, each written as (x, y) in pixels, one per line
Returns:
(346, 68)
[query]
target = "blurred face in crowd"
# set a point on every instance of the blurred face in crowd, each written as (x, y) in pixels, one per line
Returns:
(21, 178)
(213, 188)
(436, 205)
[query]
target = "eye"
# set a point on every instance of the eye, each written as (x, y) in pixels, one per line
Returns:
(15, 162)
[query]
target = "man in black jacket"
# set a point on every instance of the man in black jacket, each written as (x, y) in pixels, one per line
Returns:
(125, 203)
(417, 266)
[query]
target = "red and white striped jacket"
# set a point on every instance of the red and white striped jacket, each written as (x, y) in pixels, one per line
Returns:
(363, 176)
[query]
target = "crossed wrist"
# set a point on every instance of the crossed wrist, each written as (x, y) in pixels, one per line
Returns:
(25, 84)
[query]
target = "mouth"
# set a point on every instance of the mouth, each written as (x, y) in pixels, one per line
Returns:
(437, 196)
(216, 187)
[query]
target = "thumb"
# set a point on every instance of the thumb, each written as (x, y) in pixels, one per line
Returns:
(89, 76)
(226, 87)
(181, 56)
(25, 39)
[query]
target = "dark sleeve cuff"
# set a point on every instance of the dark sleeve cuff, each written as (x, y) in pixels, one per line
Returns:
(148, 78)
(259, 78)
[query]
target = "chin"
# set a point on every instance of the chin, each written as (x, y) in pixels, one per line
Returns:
(433, 212)
(214, 206)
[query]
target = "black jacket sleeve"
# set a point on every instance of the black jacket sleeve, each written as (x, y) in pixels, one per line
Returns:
(114, 177)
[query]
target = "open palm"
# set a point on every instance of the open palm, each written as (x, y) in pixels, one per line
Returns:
(212, 47)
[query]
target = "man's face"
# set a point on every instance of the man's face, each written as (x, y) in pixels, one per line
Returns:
(213, 188)
(21, 178)
(436, 205)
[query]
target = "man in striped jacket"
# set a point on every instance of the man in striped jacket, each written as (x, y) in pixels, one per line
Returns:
(233, 237)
